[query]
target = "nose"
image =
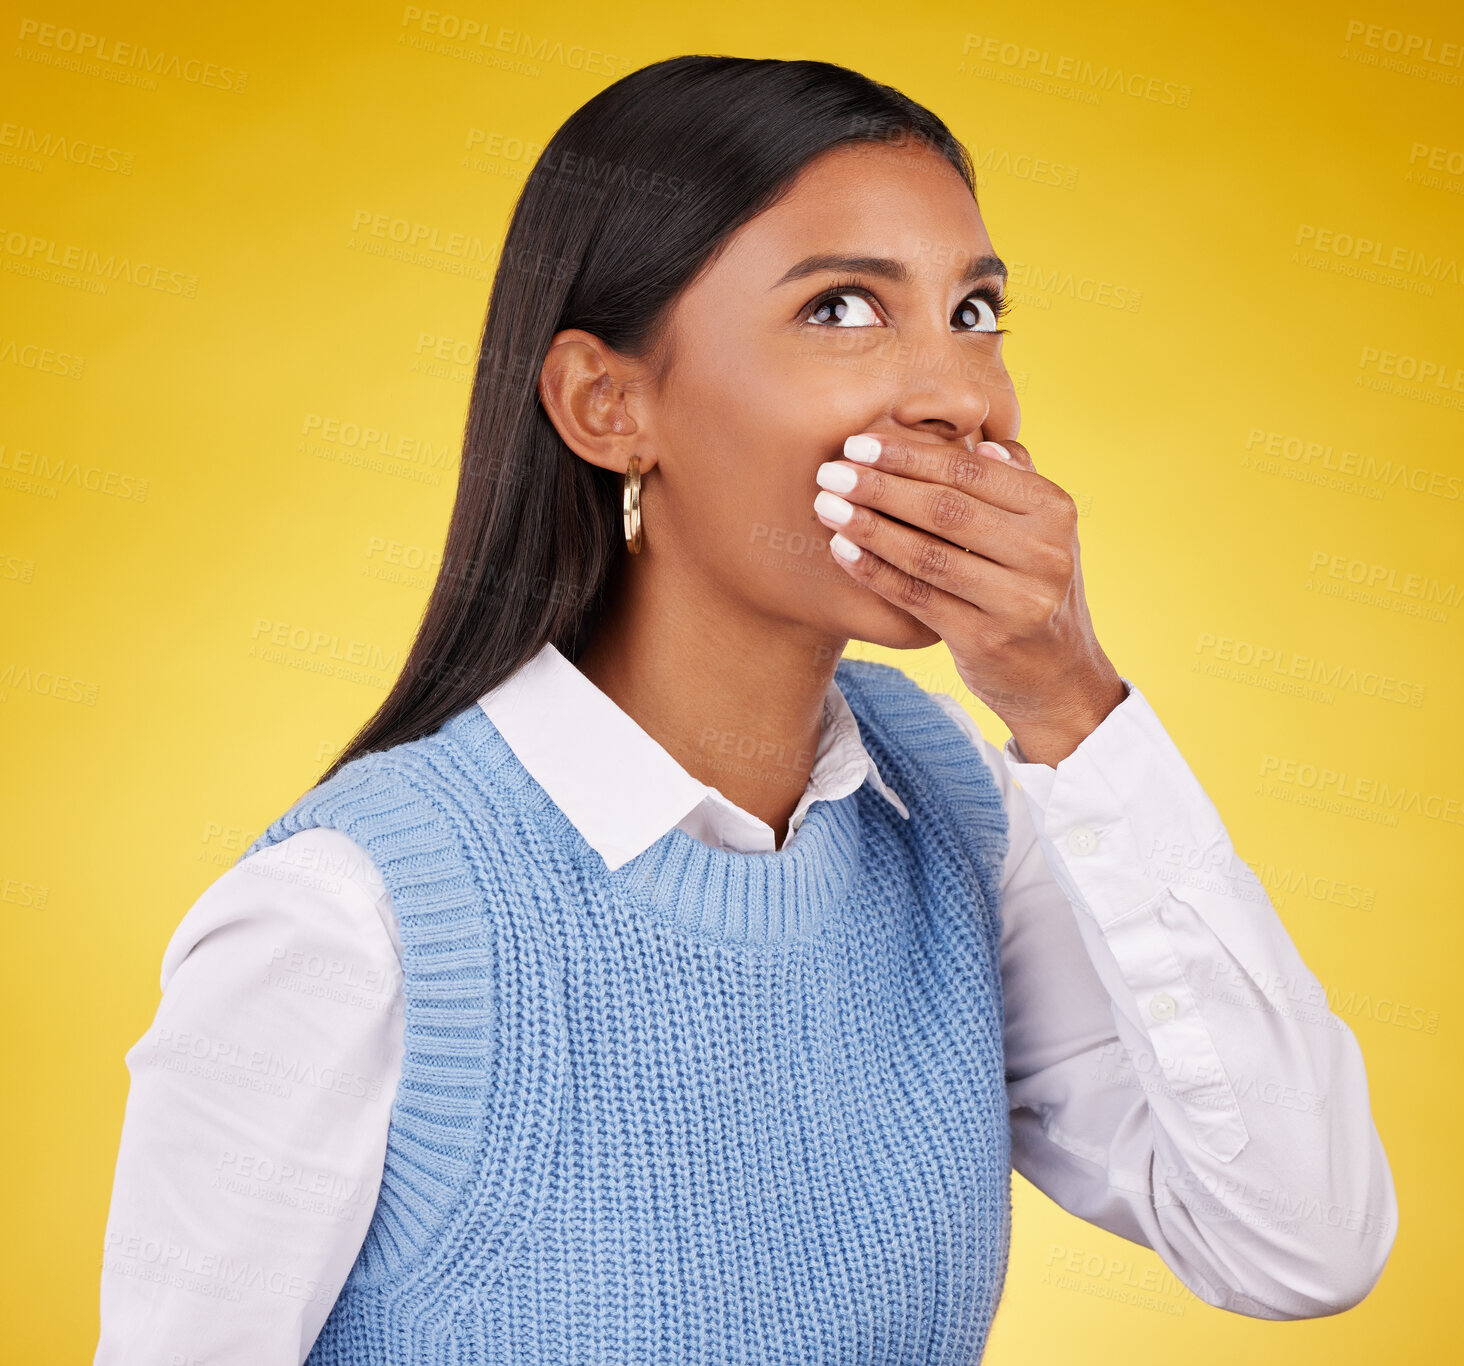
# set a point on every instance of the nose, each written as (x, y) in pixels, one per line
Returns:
(955, 387)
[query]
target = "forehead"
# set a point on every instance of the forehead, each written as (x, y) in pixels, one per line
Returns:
(899, 199)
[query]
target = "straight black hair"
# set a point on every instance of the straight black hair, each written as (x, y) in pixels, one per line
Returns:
(633, 196)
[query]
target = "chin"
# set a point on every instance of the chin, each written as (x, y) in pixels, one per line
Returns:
(892, 628)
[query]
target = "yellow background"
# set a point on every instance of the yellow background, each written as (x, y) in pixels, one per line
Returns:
(167, 501)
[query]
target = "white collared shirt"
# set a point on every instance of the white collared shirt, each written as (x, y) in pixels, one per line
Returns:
(1174, 1073)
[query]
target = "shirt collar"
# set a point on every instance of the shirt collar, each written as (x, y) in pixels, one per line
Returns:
(621, 788)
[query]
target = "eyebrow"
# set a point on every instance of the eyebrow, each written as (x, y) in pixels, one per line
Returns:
(887, 268)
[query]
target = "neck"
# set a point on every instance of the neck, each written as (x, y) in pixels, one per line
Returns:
(738, 704)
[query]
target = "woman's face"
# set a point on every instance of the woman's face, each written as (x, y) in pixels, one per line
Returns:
(851, 306)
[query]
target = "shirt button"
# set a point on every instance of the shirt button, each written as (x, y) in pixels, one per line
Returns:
(1162, 1006)
(1081, 839)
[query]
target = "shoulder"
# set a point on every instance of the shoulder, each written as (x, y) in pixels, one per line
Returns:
(317, 855)
(403, 805)
(315, 893)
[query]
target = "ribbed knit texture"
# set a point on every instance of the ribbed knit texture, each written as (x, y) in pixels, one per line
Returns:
(709, 1108)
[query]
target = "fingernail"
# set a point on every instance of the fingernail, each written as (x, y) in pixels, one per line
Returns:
(864, 449)
(832, 475)
(991, 448)
(843, 547)
(833, 507)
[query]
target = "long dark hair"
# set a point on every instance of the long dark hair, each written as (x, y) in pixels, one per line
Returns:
(631, 198)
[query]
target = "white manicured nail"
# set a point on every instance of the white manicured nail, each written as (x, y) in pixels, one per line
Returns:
(833, 507)
(843, 547)
(832, 475)
(865, 449)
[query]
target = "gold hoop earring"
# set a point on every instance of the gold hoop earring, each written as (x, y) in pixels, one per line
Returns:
(632, 511)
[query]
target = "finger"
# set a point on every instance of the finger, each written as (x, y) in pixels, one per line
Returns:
(941, 611)
(1019, 454)
(1001, 483)
(964, 520)
(969, 578)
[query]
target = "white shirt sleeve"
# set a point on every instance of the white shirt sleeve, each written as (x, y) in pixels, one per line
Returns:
(1173, 1070)
(254, 1136)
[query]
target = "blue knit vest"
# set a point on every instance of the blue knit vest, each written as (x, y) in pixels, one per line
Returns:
(711, 1107)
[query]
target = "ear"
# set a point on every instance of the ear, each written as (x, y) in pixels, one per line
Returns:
(590, 394)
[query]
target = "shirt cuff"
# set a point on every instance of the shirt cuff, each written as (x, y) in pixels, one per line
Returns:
(1108, 809)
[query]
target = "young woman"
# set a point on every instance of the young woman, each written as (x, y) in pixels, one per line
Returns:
(646, 983)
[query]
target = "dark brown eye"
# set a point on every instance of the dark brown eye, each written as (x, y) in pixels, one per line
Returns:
(980, 318)
(843, 309)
